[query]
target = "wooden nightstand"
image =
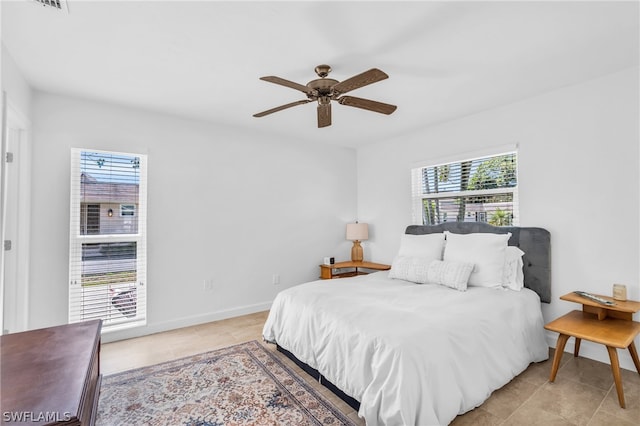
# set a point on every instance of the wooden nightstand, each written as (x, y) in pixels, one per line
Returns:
(327, 272)
(611, 326)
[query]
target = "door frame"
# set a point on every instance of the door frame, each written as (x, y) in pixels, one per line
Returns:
(12, 118)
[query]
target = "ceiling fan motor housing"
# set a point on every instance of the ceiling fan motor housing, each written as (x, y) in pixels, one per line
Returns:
(322, 86)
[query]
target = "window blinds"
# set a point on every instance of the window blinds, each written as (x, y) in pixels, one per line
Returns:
(107, 250)
(476, 190)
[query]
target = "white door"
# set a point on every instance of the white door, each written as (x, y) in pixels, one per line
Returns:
(15, 222)
(10, 320)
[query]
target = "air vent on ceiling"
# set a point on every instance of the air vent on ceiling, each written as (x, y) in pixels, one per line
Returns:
(60, 5)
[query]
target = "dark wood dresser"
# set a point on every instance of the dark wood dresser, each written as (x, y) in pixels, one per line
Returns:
(51, 375)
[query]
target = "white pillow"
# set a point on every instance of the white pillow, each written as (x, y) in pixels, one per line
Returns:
(486, 251)
(409, 268)
(513, 275)
(428, 246)
(451, 274)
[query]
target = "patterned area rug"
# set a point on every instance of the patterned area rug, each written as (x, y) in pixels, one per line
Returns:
(240, 385)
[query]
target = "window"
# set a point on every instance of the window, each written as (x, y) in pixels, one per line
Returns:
(475, 190)
(107, 257)
(127, 209)
(90, 218)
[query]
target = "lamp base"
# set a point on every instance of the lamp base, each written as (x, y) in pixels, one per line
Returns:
(356, 252)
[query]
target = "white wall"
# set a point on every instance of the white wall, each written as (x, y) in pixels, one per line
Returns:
(225, 204)
(13, 83)
(578, 178)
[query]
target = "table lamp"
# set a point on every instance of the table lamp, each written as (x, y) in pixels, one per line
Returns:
(357, 232)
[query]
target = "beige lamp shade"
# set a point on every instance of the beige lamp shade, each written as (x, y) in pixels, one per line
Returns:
(357, 231)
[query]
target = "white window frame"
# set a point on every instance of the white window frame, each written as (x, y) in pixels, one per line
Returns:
(76, 240)
(418, 195)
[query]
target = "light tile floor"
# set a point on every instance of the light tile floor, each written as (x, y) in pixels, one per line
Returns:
(582, 394)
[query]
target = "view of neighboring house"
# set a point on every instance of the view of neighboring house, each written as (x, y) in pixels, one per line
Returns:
(108, 207)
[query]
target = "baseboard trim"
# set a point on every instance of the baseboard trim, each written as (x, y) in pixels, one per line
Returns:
(113, 336)
(594, 351)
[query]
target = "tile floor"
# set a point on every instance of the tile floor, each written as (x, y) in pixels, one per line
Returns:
(583, 393)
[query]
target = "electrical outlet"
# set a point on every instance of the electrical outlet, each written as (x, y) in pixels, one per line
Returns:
(275, 279)
(208, 285)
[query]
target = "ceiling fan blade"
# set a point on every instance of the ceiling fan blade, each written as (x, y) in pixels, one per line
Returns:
(368, 77)
(324, 114)
(367, 104)
(287, 83)
(281, 107)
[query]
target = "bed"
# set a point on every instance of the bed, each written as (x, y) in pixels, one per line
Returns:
(418, 354)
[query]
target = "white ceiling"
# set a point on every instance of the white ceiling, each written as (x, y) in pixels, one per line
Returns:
(203, 59)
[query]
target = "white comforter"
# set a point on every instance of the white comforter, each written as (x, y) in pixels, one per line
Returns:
(411, 354)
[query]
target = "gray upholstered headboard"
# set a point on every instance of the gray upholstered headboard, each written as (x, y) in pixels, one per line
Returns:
(534, 242)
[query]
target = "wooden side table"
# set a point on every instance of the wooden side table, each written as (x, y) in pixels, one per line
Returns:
(327, 272)
(611, 326)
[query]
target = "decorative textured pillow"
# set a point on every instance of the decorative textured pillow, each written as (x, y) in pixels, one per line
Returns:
(513, 276)
(486, 251)
(451, 274)
(408, 268)
(428, 246)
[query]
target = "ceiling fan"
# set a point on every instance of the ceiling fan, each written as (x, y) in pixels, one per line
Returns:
(324, 90)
